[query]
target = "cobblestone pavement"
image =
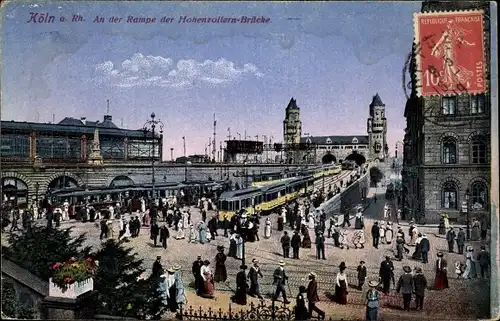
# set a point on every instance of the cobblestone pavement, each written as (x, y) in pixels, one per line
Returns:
(465, 299)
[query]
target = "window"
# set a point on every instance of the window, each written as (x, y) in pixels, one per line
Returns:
(477, 104)
(58, 147)
(479, 195)
(449, 151)
(449, 105)
(328, 141)
(13, 145)
(354, 140)
(478, 147)
(450, 195)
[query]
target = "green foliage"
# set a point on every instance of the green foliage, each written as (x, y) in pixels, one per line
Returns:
(121, 292)
(376, 175)
(12, 307)
(73, 271)
(38, 249)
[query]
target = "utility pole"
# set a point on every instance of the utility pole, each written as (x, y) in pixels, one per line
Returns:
(229, 133)
(185, 158)
(214, 151)
(172, 153)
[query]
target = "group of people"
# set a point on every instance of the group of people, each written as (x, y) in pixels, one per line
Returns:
(170, 284)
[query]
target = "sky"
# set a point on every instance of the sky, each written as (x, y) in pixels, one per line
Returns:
(332, 57)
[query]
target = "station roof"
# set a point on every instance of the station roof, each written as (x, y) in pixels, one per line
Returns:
(71, 125)
(336, 140)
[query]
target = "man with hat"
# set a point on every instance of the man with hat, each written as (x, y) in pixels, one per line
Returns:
(420, 283)
(196, 270)
(441, 280)
(361, 274)
(483, 259)
(157, 267)
(295, 243)
(450, 238)
(280, 279)
(285, 244)
(373, 301)
(425, 247)
(405, 286)
(253, 276)
(460, 240)
(312, 296)
(386, 273)
(240, 297)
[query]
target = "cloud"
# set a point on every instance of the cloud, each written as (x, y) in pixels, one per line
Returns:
(157, 71)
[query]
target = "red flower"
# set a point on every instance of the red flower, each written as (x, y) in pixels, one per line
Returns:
(89, 259)
(56, 265)
(68, 279)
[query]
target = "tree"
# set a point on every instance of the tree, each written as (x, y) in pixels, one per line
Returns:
(12, 307)
(121, 291)
(36, 250)
(376, 175)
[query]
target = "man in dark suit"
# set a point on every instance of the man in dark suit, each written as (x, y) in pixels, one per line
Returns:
(320, 246)
(155, 231)
(312, 295)
(420, 283)
(198, 279)
(450, 238)
(405, 286)
(424, 248)
(295, 244)
(346, 217)
(285, 244)
(280, 279)
(157, 267)
(375, 234)
(483, 259)
(386, 273)
(164, 235)
(460, 240)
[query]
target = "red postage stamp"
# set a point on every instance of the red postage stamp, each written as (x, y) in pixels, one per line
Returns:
(450, 53)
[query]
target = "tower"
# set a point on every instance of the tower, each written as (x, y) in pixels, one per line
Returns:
(292, 131)
(377, 130)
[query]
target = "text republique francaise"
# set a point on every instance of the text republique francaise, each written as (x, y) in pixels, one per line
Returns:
(43, 17)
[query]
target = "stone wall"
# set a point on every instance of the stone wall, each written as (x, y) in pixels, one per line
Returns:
(349, 197)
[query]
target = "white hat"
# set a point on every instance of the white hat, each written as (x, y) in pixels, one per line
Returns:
(282, 263)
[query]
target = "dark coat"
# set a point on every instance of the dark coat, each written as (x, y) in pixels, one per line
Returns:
(444, 265)
(280, 277)
(157, 269)
(450, 236)
(420, 283)
(312, 291)
(295, 241)
(386, 269)
(301, 312)
(405, 284)
(461, 238)
(424, 245)
(483, 258)
(375, 231)
(285, 241)
(164, 233)
(155, 230)
(320, 241)
(361, 272)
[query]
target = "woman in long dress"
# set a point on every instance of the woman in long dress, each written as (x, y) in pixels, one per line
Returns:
(202, 232)
(341, 284)
(417, 255)
(281, 223)
(446, 220)
(192, 234)
(381, 232)
(414, 235)
(171, 290)
(180, 231)
(147, 219)
(208, 281)
(267, 229)
(470, 264)
(239, 247)
(358, 223)
(179, 287)
(311, 222)
(232, 244)
(389, 234)
(240, 297)
(220, 265)
(306, 240)
(476, 230)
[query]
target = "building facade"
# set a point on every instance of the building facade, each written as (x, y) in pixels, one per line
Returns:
(446, 163)
(292, 132)
(333, 149)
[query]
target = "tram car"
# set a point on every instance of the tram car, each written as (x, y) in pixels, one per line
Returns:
(273, 177)
(349, 165)
(264, 198)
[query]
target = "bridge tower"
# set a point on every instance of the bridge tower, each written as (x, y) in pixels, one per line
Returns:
(292, 131)
(377, 130)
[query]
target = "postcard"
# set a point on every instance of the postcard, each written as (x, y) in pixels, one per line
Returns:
(213, 160)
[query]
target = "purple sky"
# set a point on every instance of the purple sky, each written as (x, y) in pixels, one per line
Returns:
(332, 58)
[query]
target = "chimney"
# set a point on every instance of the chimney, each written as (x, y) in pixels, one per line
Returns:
(108, 118)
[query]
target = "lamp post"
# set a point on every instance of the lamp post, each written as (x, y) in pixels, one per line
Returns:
(150, 126)
(467, 199)
(245, 172)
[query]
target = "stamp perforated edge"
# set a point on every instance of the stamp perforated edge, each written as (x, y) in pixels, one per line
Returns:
(416, 37)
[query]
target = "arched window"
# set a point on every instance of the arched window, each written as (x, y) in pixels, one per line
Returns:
(478, 150)
(479, 197)
(450, 193)
(354, 140)
(449, 150)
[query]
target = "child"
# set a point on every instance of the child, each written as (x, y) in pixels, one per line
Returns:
(361, 274)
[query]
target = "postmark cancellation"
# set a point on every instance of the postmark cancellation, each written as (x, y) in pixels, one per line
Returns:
(450, 56)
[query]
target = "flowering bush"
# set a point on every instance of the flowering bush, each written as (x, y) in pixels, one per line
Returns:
(71, 271)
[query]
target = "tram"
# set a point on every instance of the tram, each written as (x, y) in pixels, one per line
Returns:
(273, 177)
(264, 198)
(349, 165)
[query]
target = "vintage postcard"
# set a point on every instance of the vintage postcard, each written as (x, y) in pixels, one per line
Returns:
(190, 160)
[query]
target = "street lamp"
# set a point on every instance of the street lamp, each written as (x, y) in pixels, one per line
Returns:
(245, 172)
(467, 198)
(150, 126)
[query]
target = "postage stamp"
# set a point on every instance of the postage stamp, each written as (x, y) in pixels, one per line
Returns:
(450, 55)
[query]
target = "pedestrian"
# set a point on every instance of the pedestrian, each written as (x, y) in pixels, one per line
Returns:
(450, 238)
(280, 223)
(398, 216)
(280, 280)
(375, 234)
(441, 280)
(295, 243)
(359, 222)
(483, 259)
(312, 296)
(157, 268)
(341, 284)
(405, 286)
(484, 227)
(346, 218)
(208, 290)
(240, 297)
(361, 274)
(198, 280)
(154, 231)
(301, 311)
(460, 240)
(164, 235)
(239, 246)
(220, 265)
(285, 244)
(389, 233)
(253, 276)
(320, 246)
(470, 264)
(420, 284)
(110, 228)
(104, 230)
(373, 301)
(179, 287)
(267, 228)
(425, 248)
(202, 232)
(475, 230)
(386, 273)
